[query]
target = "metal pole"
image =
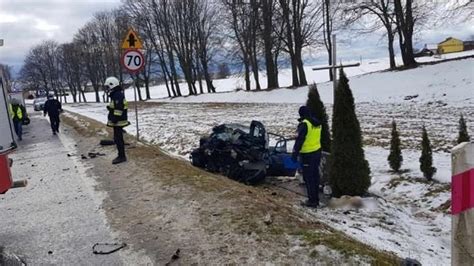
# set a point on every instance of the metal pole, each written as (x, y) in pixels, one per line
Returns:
(334, 63)
(136, 110)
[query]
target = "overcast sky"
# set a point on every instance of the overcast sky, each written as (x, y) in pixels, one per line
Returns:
(25, 23)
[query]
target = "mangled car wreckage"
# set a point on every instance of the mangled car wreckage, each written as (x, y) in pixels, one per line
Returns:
(243, 153)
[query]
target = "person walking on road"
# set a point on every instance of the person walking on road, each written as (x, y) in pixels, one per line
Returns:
(53, 108)
(18, 115)
(308, 147)
(117, 118)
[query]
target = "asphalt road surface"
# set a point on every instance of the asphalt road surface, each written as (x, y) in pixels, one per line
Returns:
(57, 218)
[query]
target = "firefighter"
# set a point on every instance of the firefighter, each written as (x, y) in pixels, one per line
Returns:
(308, 148)
(53, 108)
(117, 118)
(17, 114)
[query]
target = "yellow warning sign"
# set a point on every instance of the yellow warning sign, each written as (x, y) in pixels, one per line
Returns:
(131, 40)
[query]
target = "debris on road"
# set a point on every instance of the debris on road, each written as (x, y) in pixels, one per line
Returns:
(95, 154)
(107, 248)
(174, 257)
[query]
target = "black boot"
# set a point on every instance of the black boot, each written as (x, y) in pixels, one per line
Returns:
(309, 204)
(119, 160)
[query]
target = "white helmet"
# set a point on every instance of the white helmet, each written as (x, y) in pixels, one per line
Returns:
(111, 82)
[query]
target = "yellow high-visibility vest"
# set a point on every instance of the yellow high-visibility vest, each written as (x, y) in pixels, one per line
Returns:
(312, 142)
(18, 113)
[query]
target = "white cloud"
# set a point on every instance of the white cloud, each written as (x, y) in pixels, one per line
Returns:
(44, 25)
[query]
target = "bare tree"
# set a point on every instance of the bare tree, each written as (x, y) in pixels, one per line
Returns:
(330, 11)
(268, 10)
(382, 13)
(405, 27)
(91, 52)
(301, 24)
(41, 67)
(243, 20)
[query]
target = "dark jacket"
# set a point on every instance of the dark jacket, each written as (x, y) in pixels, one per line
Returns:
(117, 107)
(52, 107)
(304, 113)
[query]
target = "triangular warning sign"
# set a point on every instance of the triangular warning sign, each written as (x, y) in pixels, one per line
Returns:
(131, 40)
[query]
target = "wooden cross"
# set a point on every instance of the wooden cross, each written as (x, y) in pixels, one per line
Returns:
(334, 67)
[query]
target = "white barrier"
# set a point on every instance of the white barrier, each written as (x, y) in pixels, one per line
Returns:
(462, 204)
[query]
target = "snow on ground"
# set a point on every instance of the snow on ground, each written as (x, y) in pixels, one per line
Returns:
(450, 81)
(409, 215)
(237, 82)
(403, 217)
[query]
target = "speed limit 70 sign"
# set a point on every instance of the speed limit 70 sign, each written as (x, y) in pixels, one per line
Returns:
(133, 60)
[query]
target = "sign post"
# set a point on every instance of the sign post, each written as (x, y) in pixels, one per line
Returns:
(133, 61)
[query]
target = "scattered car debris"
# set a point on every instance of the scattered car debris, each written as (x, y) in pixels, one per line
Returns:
(174, 257)
(95, 154)
(107, 248)
(107, 142)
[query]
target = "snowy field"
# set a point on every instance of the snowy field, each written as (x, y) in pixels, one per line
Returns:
(408, 215)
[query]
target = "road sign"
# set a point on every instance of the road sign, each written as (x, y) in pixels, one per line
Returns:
(131, 40)
(133, 60)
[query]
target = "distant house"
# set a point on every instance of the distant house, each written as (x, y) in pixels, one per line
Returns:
(468, 45)
(450, 45)
(431, 47)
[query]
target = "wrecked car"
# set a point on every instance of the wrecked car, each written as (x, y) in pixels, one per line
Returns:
(243, 153)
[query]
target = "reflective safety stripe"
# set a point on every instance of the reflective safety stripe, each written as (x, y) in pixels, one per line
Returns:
(122, 123)
(125, 104)
(312, 141)
(118, 112)
(112, 104)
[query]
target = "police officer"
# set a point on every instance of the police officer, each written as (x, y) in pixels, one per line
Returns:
(17, 114)
(308, 147)
(117, 117)
(53, 108)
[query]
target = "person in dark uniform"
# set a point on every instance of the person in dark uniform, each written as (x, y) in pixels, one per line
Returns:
(117, 118)
(308, 147)
(53, 108)
(17, 114)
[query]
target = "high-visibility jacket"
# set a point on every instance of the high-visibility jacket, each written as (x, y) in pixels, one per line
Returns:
(117, 107)
(16, 113)
(312, 141)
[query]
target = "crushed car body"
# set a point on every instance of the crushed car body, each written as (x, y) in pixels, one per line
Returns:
(243, 153)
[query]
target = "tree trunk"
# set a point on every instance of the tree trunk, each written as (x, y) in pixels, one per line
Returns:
(328, 32)
(137, 87)
(391, 52)
(96, 90)
(247, 75)
(299, 62)
(272, 80)
(207, 76)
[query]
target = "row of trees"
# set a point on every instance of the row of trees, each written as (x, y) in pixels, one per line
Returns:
(395, 158)
(348, 169)
(187, 40)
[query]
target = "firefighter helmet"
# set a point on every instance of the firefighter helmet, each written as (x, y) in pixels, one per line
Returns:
(111, 82)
